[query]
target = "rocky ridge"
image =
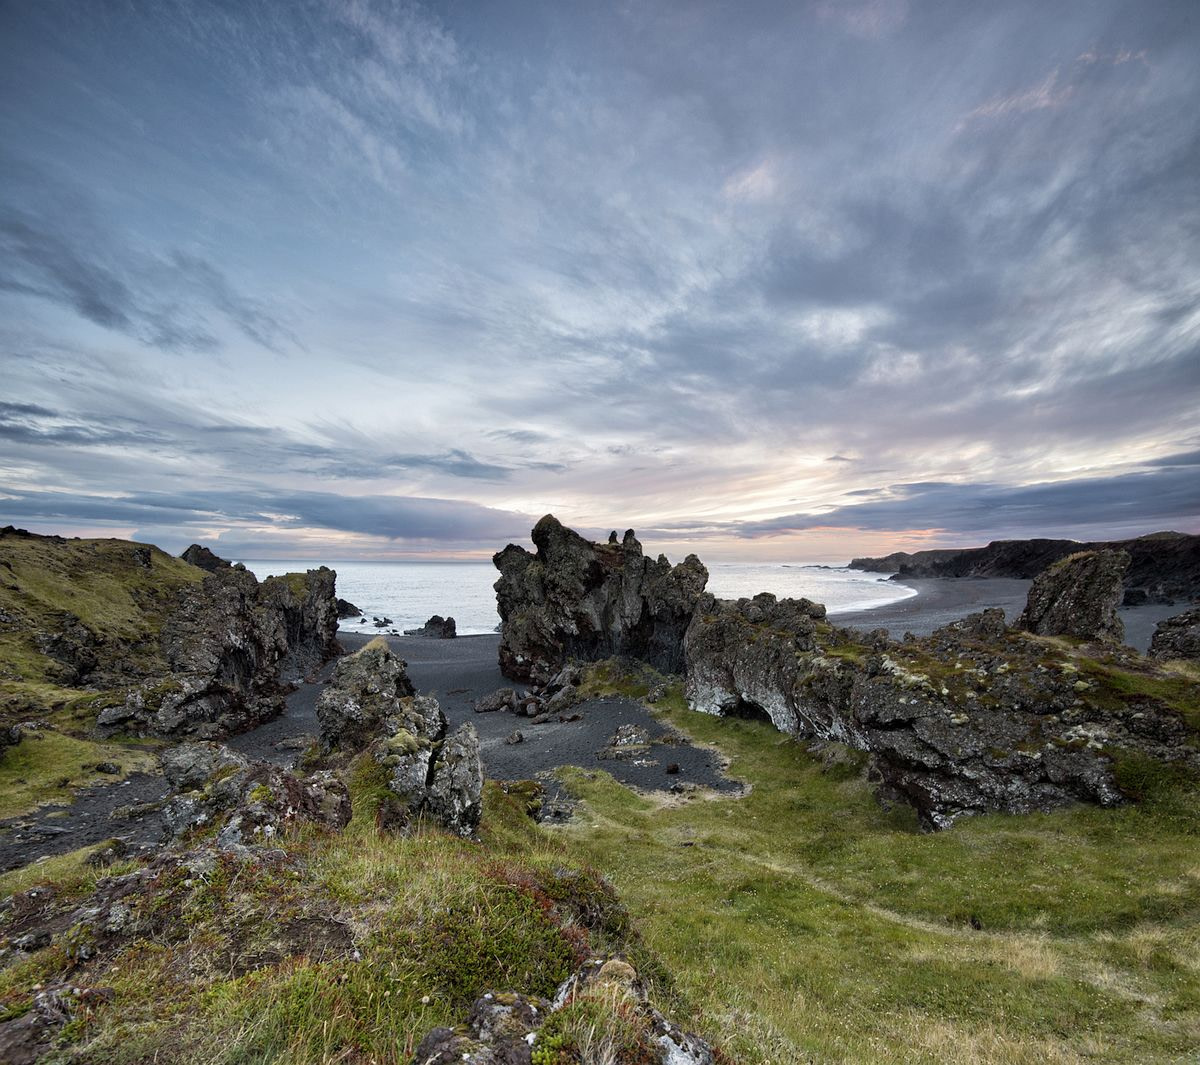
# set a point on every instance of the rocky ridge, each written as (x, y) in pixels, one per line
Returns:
(575, 599)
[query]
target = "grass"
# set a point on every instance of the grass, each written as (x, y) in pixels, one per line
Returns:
(397, 935)
(48, 766)
(813, 925)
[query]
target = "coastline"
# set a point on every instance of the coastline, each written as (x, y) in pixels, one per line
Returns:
(941, 600)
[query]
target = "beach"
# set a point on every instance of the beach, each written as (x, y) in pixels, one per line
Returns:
(940, 600)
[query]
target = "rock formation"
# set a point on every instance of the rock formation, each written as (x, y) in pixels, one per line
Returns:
(575, 599)
(1177, 637)
(1164, 566)
(346, 609)
(437, 627)
(250, 803)
(201, 557)
(507, 1029)
(369, 703)
(232, 648)
(1078, 596)
(975, 718)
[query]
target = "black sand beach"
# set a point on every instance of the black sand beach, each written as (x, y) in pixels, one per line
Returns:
(940, 600)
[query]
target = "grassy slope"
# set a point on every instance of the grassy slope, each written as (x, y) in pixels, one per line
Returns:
(100, 582)
(436, 921)
(810, 925)
(44, 583)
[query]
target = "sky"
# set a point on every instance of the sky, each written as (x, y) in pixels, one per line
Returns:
(763, 281)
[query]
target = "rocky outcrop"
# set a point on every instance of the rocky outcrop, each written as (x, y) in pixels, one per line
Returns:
(575, 599)
(508, 1029)
(1078, 596)
(975, 718)
(1163, 567)
(233, 647)
(346, 609)
(249, 803)
(370, 703)
(437, 628)
(1177, 637)
(367, 689)
(203, 558)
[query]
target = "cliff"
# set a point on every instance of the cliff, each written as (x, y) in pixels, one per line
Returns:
(1163, 566)
(157, 644)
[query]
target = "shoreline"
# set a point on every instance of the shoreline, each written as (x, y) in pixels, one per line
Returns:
(941, 600)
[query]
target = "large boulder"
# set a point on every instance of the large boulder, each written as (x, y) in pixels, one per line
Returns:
(233, 648)
(201, 557)
(369, 705)
(1079, 596)
(575, 599)
(1177, 637)
(972, 719)
(366, 689)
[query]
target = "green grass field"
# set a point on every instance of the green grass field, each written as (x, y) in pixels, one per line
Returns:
(802, 922)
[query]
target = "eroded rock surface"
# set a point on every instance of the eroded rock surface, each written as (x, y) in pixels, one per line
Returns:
(249, 803)
(975, 718)
(1177, 637)
(1079, 596)
(370, 704)
(575, 599)
(233, 648)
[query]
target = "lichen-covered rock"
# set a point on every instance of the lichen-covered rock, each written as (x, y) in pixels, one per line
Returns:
(1177, 637)
(249, 803)
(454, 795)
(436, 628)
(974, 718)
(1079, 596)
(575, 599)
(233, 648)
(369, 704)
(366, 689)
(603, 1005)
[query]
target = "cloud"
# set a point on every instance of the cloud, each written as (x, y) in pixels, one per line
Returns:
(1145, 498)
(393, 518)
(173, 300)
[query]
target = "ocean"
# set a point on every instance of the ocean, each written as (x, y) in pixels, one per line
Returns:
(410, 592)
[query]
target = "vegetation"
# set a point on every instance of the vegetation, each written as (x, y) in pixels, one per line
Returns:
(805, 923)
(349, 947)
(48, 766)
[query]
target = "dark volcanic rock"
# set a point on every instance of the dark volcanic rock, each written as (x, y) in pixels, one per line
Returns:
(975, 718)
(1177, 637)
(233, 647)
(202, 557)
(437, 627)
(1079, 596)
(575, 599)
(1163, 566)
(366, 689)
(369, 703)
(346, 609)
